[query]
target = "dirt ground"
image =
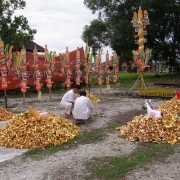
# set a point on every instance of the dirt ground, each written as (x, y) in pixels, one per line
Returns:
(70, 164)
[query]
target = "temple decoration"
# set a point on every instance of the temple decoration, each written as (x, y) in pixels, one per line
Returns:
(62, 64)
(49, 65)
(87, 65)
(5, 63)
(78, 67)
(67, 69)
(99, 70)
(141, 56)
(23, 70)
(108, 71)
(115, 67)
(37, 74)
(20, 66)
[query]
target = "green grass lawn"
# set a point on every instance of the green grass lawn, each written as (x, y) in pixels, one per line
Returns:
(115, 168)
(127, 80)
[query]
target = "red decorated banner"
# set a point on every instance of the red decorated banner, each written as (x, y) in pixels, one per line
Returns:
(57, 77)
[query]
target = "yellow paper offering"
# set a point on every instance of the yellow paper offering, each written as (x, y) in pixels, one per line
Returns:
(39, 95)
(140, 15)
(108, 87)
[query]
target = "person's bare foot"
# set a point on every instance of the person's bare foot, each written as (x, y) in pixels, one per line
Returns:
(66, 116)
(85, 121)
(77, 122)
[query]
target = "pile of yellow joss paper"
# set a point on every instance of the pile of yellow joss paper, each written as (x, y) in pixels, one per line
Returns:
(5, 115)
(92, 97)
(165, 129)
(30, 130)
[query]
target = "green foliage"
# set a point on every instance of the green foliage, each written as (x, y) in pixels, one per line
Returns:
(14, 31)
(94, 80)
(113, 27)
(97, 37)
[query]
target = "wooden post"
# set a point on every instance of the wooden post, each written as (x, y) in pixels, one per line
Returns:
(88, 87)
(39, 96)
(87, 52)
(89, 92)
(23, 98)
(100, 93)
(5, 97)
(108, 87)
(50, 94)
(140, 81)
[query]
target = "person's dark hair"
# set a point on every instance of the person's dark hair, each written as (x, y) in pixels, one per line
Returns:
(76, 86)
(82, 93)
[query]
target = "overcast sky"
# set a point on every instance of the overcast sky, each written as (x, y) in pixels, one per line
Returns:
(59, 23)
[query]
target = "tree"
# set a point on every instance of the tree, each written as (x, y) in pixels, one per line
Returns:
(116, 16)
(95, 35)
(14, 31)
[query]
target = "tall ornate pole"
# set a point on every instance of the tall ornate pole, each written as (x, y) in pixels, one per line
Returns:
(49, 64)
(99, 71)
(78, 67)
(5, 63)
(37, 74)
(141, 56)
(62, 64)
(24, 75)
(115, 67)
(68, 72)
(108, 72)
(87, 66)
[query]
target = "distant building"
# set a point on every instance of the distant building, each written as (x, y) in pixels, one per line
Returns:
(29, 46)
(124, 66)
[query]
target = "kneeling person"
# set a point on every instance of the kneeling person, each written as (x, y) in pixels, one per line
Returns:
(82, 107)
(68, 99)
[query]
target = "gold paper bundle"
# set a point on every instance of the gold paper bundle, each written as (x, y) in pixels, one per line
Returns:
(165, 129)
(93, 98)
(27, 132)
(5, 115)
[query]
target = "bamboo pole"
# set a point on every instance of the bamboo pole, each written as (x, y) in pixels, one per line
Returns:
(140, 81)
(87, 53)
(5, 97)
(50, 94)
(23, 98)
(88, 87)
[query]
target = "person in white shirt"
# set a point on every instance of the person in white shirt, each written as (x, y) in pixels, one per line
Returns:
(68, 99)
(83, 108)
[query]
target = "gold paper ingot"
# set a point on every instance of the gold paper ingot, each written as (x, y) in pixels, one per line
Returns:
(32, 112)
